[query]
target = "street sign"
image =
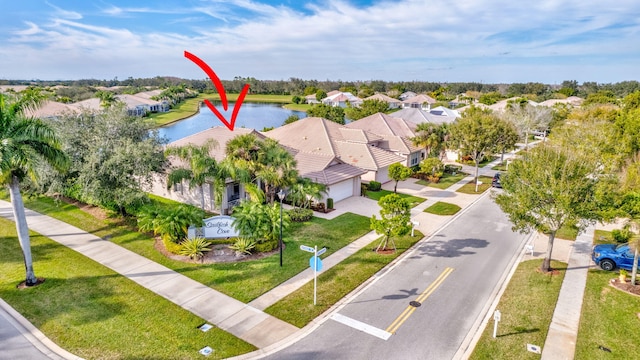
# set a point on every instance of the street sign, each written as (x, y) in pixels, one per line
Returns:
(315, 263)
(321, 251)
(307, 248)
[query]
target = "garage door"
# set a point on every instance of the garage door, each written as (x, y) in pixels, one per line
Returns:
(382, 176)
(341, 190)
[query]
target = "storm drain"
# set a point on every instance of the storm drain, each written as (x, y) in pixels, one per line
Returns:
(415, 304)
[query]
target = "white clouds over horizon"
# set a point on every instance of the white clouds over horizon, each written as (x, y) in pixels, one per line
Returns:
(484, 40)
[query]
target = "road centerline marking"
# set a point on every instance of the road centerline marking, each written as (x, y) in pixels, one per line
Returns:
(420, 299)
(359, 325)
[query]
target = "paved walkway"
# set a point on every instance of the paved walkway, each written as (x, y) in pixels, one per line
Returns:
(563, 331)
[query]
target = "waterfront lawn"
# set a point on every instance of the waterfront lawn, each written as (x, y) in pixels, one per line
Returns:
(256, 98)
(95, 313)
(332, 285)
(241, 280)
(181, 111)
(526, 308)
(376, 195)
(609, 320)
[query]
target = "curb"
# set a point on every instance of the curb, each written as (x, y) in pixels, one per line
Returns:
(35, 336)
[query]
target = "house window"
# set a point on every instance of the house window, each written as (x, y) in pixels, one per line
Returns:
(177, 187)
(415, 159)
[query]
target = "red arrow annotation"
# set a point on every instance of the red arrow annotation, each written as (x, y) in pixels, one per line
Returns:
(223, 94)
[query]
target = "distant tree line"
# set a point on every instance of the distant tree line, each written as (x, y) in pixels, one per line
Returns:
(442, 91)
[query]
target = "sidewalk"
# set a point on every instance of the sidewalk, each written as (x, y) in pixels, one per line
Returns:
(563, 331)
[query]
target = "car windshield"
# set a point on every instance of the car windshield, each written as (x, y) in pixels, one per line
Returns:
(620, 247)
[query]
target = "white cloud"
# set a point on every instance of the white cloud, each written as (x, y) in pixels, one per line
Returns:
(392, 40)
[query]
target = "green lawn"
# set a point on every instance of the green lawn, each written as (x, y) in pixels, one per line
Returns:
(298, 309)
(97, 314)
(526, 309)
(609, 319)
(183, 110)
(189, 107)
(298, 107)
(470, 187)
(567, 232)
(500, 167)
(445, 181)
(242, 280)
(442, 208)
(376, 195)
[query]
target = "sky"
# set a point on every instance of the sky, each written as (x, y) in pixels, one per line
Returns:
(487, 41)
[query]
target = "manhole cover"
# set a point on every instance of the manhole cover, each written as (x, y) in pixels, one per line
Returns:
(415, 304)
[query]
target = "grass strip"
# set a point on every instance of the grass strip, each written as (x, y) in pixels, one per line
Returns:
(470, 187)
(526, 309)
(413, 200)
(95, 313)
(609, 320)
(297, 308)
(244, 280)
(445, 181)
(442, 208)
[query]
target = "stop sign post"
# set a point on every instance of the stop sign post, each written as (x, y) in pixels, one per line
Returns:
(316, 264)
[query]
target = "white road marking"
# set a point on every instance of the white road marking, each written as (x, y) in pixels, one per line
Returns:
(371, 330)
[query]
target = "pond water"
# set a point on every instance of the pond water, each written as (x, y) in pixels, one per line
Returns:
(251, 115)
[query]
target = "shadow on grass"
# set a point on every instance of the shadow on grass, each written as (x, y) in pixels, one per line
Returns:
(518, 331)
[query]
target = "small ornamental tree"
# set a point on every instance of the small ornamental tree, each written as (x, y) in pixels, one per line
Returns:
(395, 215)
(399, 172)
(432, 168)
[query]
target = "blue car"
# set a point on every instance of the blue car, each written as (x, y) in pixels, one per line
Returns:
(611, 256)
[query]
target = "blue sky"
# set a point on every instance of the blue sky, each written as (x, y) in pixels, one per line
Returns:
(490, 41)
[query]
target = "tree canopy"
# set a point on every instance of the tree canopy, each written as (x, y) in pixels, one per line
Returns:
(333, 113)
(395, 214)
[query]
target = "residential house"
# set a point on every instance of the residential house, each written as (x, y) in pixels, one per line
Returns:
(233, 192)
(341, 99)
(52, 110)
(393, 103)
(342, 146)
(396, 134)
(420, 101)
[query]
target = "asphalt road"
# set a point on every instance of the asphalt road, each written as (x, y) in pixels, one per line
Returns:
(427, 304)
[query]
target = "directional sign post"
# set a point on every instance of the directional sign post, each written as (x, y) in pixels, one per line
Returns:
(316, 264)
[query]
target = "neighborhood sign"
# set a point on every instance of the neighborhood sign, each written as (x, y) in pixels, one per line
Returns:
(214, 227)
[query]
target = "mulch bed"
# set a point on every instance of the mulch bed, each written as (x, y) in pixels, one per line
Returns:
(220, 253)
(625, 286)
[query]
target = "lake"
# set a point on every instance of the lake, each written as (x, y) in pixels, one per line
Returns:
(251, 115)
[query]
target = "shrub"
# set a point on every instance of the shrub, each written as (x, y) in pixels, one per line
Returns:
(266, 246)
(374, 186)
(243, 245)
(195, 248)
(171, 247)
(621, 236)
(300, 214)
(330, 203)
(363, 189)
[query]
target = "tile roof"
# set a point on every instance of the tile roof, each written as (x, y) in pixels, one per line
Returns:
(418, 116)
(219, 133)
(52, 109)
(385, 98)
(324, 137)
(384, 125)
(419, 99)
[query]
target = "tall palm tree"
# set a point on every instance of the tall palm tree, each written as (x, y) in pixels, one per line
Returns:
(201, 166)
(24, 143)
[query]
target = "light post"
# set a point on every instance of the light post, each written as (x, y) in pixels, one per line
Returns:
(281, 195)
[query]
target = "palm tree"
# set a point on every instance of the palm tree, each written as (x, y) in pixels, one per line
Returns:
(201, 166)
(432, 137)
(276, 168)
(304, 190)
(24, 142)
